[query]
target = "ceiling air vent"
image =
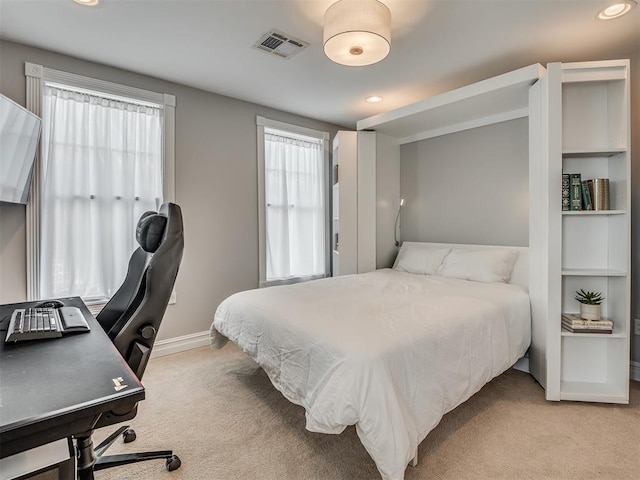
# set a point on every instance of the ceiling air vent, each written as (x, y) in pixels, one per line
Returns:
(280, 44)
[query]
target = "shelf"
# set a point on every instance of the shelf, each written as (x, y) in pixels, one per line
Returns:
(618, 332)
(564, 333)
(595, 72)
(591, 392)
(591, 152)
(593, 212)
(593, 272)
(586, 132)
(490, 101)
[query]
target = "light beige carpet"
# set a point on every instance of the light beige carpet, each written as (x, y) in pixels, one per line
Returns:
(218, 411)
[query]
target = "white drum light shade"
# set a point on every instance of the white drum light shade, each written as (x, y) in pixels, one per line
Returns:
(616, 10)
(357, 32)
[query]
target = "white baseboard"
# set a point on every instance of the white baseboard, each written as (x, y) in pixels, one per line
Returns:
(180, 344)
(634, 373)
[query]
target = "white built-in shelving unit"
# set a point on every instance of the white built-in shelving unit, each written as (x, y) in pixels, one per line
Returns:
(579, 122)
(494, 100)
(353, 235)
(583, 122)
(589, 134)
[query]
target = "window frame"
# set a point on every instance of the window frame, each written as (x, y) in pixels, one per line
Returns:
(262, 124)
(36, 77)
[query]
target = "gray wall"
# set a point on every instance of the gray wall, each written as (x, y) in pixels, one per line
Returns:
(216, 186)
(468, 187)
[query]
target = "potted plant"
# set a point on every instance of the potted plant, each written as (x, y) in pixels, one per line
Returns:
(590, 304)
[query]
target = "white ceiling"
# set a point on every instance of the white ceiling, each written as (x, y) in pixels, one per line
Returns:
(437, 45)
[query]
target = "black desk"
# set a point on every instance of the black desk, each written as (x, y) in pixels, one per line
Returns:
(55, 388)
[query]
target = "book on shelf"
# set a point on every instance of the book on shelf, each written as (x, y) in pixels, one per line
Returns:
(586, 329)
(576, 319)
(566, 188)
(573, 323)
(590, 189)
(585, 322)
(586, 195)
(576, 191)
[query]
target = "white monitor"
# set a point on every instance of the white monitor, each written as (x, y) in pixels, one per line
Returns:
(19, 133)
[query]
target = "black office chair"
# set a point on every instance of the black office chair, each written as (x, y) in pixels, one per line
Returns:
(131, 319)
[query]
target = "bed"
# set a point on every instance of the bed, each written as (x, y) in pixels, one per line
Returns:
(390, 351)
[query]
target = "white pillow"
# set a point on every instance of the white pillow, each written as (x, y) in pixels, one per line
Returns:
(420, 259)
(491, 265)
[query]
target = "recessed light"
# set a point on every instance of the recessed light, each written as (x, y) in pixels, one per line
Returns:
(374, 99)
(617, 9)
(88, 3)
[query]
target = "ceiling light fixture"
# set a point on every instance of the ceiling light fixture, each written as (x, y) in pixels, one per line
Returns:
(616, 10)
(374, 99)
(87, 3)
(357, 32)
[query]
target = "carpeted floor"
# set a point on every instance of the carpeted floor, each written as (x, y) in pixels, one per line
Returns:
(218, 411)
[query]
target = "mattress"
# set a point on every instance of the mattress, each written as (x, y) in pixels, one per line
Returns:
(387, 351)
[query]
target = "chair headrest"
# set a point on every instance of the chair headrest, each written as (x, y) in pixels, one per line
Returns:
(150, 230)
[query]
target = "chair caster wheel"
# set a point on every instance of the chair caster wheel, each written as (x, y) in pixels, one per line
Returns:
(173, 463)
(129, 435)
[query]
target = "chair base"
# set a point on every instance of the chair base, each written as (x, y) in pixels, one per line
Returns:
(91, 460)
(172, 461)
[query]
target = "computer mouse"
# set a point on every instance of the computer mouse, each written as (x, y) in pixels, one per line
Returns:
(51, 304)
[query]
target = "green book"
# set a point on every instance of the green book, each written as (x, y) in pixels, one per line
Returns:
(576, 191)
(566, 188)
(586, 196)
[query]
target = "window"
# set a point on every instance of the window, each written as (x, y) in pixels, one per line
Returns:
(293, 201)
(102, 163)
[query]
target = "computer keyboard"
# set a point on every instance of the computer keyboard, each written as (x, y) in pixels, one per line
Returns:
(34, 323)
(41, 322)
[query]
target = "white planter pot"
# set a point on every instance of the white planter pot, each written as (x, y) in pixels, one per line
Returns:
(590, 312)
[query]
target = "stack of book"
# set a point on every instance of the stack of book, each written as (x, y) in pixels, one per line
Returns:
(578, 194)
(572, 322)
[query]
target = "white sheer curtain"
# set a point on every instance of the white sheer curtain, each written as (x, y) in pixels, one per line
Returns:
(102, 168)
(295, 206)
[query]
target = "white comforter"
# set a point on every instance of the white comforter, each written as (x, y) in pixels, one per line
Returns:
(389, 352)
